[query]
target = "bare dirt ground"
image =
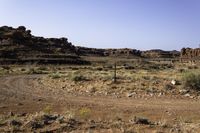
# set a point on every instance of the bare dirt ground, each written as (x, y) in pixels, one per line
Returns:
(25, 94)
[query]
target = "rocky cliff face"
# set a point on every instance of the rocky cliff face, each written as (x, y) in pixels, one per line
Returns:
(189, 53)
(19, 45)
(20, 40)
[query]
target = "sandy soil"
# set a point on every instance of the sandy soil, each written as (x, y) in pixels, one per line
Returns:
(25, 94)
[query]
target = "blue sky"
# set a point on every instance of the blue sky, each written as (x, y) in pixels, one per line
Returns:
(140, 24)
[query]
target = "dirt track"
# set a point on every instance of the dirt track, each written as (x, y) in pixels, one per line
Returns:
(25, 94)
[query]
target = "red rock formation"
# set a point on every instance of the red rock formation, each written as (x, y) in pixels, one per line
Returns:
(190, 54)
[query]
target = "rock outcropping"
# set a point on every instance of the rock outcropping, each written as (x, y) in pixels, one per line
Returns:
(190, 54)
(19, 46)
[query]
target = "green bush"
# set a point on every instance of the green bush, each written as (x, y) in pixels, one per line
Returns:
(192, 81)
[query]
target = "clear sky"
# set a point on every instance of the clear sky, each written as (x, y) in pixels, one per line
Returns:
(140, 24)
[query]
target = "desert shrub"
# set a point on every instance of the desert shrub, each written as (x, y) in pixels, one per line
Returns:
(47, 109)
(128, 67)
(193, 67)
(3, 71)
(107, 77)
(181, 70)
(74, 68)
(149, 66)
(23, 69)
(35, 71)
(146, 77)
(70, 114)
(85, 112)
(108, 66)
(77, 78)
(55, 75)
(99, 68)
(6, 67)
(192, 80)
(43, 68)
(141, 120)
(168, 87)
(170, 66)
(3, 120)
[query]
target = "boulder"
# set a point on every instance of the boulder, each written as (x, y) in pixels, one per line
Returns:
(131, 94)
(174, 82)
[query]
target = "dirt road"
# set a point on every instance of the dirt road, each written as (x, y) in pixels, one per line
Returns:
(24, 93)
